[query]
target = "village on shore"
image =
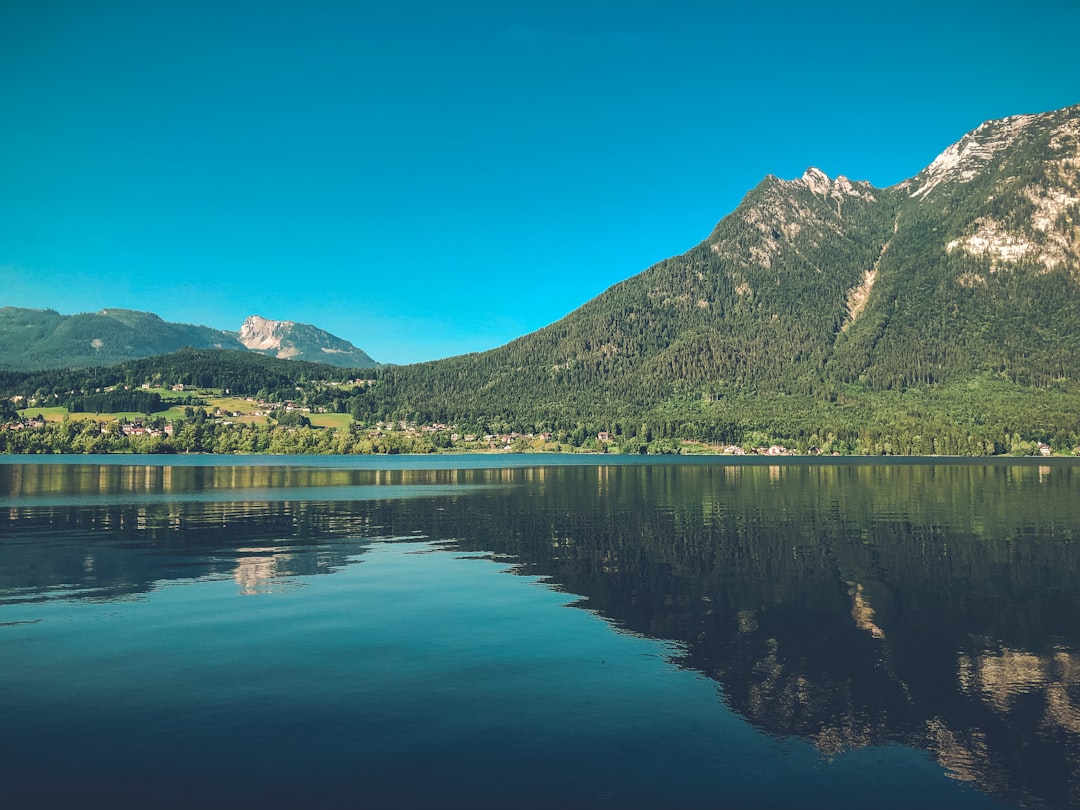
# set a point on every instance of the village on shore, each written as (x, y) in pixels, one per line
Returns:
(215, 421)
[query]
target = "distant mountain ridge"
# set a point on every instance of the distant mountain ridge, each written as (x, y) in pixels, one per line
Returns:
(33, 339)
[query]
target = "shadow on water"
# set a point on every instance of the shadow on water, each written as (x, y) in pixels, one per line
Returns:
(852, 605)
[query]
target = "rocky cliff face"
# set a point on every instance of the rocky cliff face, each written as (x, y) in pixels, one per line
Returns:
(982, 270)
(300, 341)
(1032, 202)
(263, 335)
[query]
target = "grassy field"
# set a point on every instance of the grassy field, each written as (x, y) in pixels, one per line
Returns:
(58, 414)
(244, 411)
(341, 421)
(49, 414)
(234, 404)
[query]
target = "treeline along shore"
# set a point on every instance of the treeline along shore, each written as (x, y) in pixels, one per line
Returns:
(193, 402)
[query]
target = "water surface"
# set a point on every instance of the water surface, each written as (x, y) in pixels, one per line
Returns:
(479, 632)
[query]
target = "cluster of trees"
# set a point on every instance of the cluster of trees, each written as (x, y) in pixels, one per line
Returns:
(980, 414)
(206, 436)
(118, 401)
(242, 373)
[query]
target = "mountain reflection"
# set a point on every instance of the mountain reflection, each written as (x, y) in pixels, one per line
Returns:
(850, 604)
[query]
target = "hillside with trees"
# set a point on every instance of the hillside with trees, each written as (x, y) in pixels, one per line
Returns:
(35, 339)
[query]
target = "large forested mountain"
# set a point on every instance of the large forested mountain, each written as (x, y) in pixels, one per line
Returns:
(39, 339)
(814, 289)
(32, 339)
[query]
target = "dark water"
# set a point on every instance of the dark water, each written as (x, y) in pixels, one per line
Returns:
(448, 633)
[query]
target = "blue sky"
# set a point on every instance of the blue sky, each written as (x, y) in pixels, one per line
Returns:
(426, 179)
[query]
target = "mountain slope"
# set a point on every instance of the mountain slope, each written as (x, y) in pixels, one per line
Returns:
(811, 286)
(982, 272)
(43, 339)
(33, 338)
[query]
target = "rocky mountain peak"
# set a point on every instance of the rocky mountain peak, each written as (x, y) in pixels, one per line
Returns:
(819, 183)
(261, 334)
(299, 341)
(964, 160)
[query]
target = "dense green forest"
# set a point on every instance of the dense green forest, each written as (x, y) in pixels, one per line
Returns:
(978, 415)
(241, 373)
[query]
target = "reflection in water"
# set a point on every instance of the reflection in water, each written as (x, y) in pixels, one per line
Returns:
(119, 550)
(258, 570)
(861, 611)
(852, 605)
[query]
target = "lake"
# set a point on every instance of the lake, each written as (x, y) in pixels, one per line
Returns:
(527, 631)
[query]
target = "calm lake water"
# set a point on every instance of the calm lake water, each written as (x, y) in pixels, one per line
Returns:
(504, 632)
